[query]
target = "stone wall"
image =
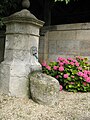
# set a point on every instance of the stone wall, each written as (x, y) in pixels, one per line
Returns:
(67, 40)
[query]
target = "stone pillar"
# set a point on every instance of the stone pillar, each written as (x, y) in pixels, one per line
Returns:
(22, 38)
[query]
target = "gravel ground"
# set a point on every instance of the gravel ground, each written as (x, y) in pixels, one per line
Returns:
(72, 106)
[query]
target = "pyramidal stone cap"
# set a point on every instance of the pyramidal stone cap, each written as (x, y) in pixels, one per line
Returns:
(23, 13)
(24, 16)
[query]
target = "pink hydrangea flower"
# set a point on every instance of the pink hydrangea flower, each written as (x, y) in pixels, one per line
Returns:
(84, 83)
(66, 62)
(57, 77)
(72, 77)
(89, 72)
(61, 63)
(65, 59)
(85, 72)
(60, 58)
(78, 57)
(80, 74)
(65, 75)
(77, 64)
(55, 67)
(72, 83)
(88, 80)
(85, 76)
(61, 87)
(61, 68)
(44, 64)
(48, 67)
(70, 59)
(72, 63)
(79, 68)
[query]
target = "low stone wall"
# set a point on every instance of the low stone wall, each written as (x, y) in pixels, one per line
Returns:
(67, 40)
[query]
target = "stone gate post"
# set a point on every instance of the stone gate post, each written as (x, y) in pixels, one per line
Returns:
(22, 38)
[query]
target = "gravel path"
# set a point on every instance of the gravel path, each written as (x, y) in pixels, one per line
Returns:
(72, 106)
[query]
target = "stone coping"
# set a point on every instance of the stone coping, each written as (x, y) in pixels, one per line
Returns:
(66, 27)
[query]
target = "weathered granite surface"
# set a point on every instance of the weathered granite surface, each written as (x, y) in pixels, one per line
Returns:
(44, 89)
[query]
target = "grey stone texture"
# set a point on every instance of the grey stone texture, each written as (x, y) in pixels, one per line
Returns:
(68, 40)
(44, 89)
(22, 32)
(25, 3)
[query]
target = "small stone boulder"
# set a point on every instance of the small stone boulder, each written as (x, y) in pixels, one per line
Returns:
(44, 89)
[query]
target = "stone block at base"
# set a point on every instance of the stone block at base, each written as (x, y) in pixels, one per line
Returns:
(44, 89)
(14, 82)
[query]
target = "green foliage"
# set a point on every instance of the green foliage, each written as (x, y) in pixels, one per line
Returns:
(7, 7)
(66, 1)
(63, 0)
(72, 74)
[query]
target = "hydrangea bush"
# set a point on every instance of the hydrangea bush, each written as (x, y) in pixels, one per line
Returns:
(72, 74)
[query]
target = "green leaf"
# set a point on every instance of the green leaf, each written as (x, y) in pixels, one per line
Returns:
(74, 72)
(85, 89)
(78, 85)
(67, 87)
(69, 66)
(69, 78)
(71, 86)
